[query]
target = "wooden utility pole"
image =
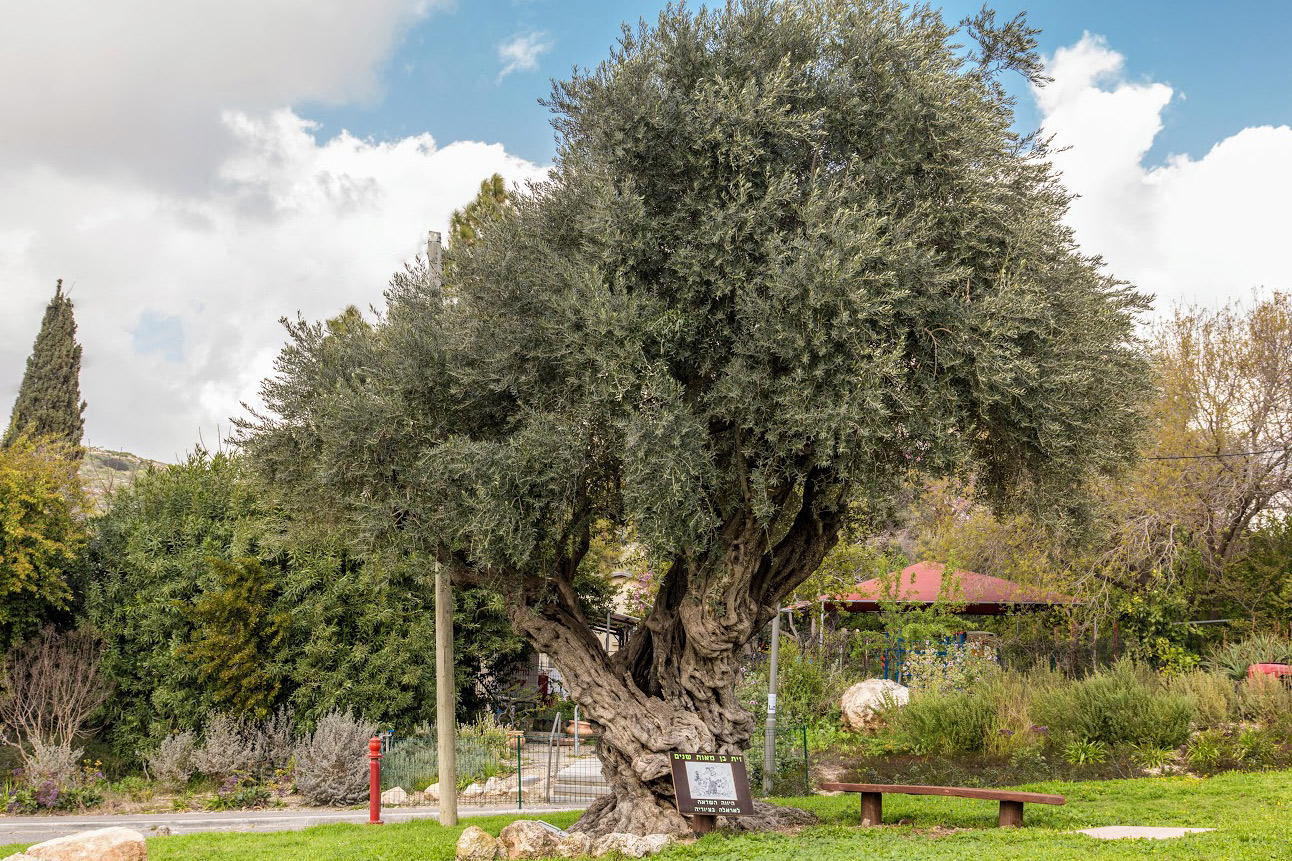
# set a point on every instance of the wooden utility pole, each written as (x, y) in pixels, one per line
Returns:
(445, 698)
(445, 682)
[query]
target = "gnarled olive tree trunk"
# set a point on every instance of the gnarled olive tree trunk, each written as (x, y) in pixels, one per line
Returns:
(672, 687)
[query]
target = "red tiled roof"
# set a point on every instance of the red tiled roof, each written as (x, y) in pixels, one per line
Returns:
(921, 583)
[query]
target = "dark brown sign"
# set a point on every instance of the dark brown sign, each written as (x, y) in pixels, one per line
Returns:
(711, 784)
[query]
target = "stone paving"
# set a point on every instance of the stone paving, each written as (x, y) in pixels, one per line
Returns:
(1143, 832)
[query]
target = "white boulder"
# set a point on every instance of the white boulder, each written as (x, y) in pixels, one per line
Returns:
(394, 796)
(862, 701)
(103, 844)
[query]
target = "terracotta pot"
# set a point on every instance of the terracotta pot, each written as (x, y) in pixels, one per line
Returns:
(585, 729)
(515, 739)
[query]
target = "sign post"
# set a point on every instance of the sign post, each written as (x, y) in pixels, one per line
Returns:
(709, 785)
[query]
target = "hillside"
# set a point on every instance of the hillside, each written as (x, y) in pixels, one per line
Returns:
(103, 471)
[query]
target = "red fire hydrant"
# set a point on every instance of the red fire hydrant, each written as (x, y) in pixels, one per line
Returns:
(374, 781)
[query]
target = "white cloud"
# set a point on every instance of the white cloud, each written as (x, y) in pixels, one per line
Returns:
(139, 85)
(521, 53)
(150, 158)
(178, 294)
(1202, 230)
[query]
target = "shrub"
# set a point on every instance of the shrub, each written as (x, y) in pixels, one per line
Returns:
(1010, 694)
(238, 794)
(134, 787)
(1205, 749)
(173, 762)
(1027, 757)
(1212, 694)
(1234, 659)
(50, 687)
(274, 741)
(810, 683)
(1147, 756)
(486, 735)
(55, 783)
(1120, 706)
(1264, 699)
(1255, 747)
(1085, 752)
(331, 762)
(228, 749)
(52, 764)
(945, 722)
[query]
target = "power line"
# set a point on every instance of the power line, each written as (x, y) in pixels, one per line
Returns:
(1219, 455)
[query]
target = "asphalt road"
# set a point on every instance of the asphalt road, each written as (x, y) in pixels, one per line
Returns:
(33, 829)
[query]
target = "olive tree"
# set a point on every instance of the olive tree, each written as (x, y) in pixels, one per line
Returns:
(789, 255)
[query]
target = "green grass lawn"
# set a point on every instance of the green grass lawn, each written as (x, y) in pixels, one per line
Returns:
(1251, 812)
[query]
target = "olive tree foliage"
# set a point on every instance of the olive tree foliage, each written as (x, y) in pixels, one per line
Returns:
(790, 255)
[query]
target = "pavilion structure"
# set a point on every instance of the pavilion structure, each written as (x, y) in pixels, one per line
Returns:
(925, 583)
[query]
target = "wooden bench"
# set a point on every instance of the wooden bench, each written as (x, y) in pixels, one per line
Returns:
(1011, 802)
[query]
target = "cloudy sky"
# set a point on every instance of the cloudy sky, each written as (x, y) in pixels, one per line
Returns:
(195, 171)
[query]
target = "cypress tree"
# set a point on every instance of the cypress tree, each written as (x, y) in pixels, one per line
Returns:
(49, 399)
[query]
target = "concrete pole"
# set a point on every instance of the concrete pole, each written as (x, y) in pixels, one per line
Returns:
(769, 737)
(445, 698)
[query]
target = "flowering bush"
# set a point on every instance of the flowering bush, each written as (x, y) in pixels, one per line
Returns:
(228, 749)
(172, 762)
(332, 761)
(79, 789)
(950, 668)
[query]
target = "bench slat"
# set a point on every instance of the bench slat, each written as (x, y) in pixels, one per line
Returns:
(956, 791)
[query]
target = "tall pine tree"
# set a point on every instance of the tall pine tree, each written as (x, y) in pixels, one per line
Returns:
(49, 400)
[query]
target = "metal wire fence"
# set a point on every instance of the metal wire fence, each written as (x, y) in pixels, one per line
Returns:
(554, 767)
(790, 763)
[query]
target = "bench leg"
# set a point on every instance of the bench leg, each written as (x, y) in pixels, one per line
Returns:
(872, 808)
(1011, 814)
